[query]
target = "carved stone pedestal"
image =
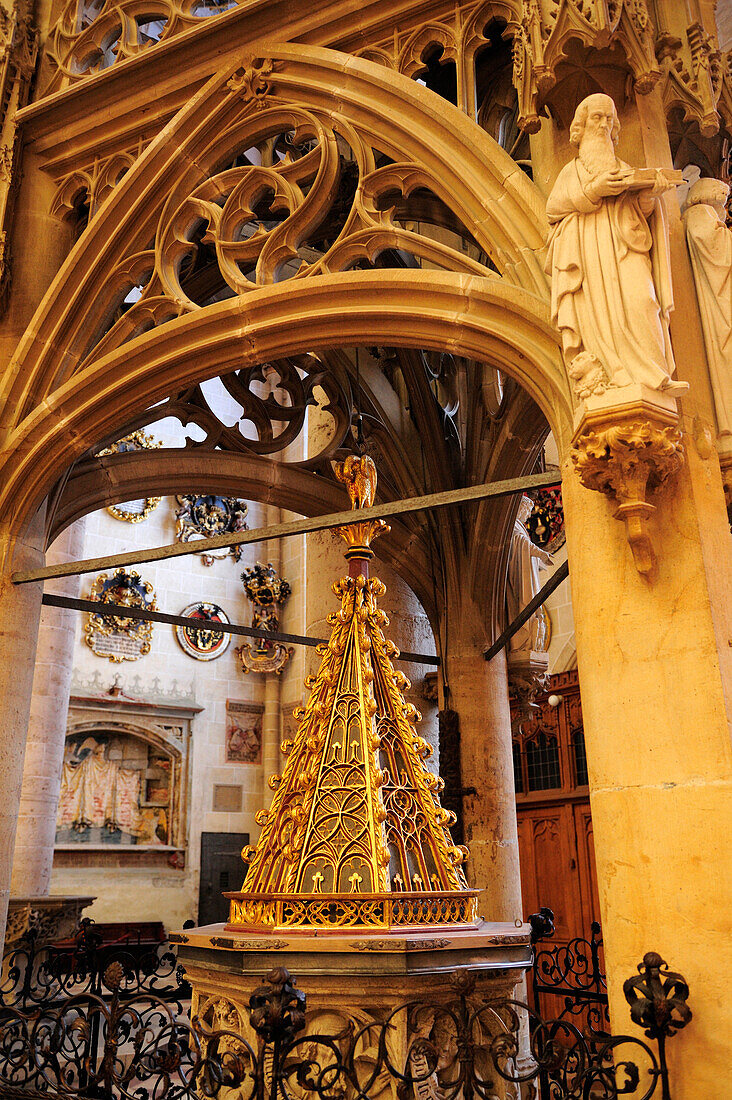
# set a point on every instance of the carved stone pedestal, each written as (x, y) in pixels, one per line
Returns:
(364, 979)
(627, 446)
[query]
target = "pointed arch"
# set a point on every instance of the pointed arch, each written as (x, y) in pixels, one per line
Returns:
(70, 383)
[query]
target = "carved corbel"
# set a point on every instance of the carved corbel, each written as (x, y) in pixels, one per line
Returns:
(630, 461)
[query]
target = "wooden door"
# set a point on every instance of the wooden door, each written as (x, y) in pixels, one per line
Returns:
(549, 872)
(586, 865)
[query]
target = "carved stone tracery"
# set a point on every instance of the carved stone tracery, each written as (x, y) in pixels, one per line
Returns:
(301, 193)
(18, 54)
(697, 75)
(90, 186)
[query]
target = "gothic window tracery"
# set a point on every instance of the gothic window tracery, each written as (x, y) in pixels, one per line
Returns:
(306, 195)
(549, 757)
(439, 73)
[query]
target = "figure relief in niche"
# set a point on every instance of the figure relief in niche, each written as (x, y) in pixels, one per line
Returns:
(113, 791)
(609, 261)
(710, 246)
(524, 565)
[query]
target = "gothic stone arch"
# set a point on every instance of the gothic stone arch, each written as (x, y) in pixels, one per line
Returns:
(77, 374)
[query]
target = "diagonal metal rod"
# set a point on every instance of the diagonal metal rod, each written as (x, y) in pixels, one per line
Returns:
(283, 530)
(554, 581)
(119, 611)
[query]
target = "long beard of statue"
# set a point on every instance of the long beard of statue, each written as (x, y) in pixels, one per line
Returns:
(597, 153)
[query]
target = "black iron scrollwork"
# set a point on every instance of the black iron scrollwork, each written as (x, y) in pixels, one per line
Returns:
(657, 998)
(47, 974)
(142, 1048)
(542, 924)
(277, 1007)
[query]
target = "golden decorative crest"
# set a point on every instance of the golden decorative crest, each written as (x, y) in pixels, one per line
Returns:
(355, 836)
(268, 592)
(120, 639)
(133, 511)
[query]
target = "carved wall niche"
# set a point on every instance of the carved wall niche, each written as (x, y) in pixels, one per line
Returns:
(125, 784)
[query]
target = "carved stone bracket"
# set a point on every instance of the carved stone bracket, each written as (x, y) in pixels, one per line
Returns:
(527, 676)
(630, 457)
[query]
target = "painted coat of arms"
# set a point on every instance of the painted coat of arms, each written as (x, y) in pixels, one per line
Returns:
(203, 517)
(119, 638)
(204, 645)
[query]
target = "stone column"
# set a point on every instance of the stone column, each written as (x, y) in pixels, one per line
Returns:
(655, 665)
(478, 691)
(36, 832)
(20, 609)
(272, 687)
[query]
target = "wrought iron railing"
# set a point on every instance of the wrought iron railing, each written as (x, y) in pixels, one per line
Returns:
(449, 1049)
(36, 973)
(571, 971)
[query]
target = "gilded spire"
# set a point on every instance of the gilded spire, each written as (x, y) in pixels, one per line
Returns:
(355, 836)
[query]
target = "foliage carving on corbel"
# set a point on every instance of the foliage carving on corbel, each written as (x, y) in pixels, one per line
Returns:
(630, 462)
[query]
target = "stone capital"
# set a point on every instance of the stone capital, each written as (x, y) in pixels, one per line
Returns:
(629, 451)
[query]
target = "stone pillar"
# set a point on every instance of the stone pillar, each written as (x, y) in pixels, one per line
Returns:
(36, 832)
(655, 665)
(272, 687)
(20, 609)
(478, 691)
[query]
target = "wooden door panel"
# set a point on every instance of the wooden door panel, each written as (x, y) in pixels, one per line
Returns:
(587, 867)
(527, 864)
(547, 851)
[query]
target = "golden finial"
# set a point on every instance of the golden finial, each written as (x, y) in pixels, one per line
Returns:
(358, 474)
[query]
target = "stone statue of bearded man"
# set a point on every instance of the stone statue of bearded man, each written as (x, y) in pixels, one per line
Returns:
(608, 258)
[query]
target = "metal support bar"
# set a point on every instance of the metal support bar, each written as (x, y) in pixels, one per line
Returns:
(119, 611)
(561, 575)
(283, 530)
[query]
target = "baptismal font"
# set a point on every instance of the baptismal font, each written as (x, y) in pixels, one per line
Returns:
(355, 885)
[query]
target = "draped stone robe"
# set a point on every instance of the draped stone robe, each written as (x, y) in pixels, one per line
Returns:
(611, 279)
(710, 247)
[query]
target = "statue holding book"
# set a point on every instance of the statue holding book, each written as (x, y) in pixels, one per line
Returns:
(608, 258)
